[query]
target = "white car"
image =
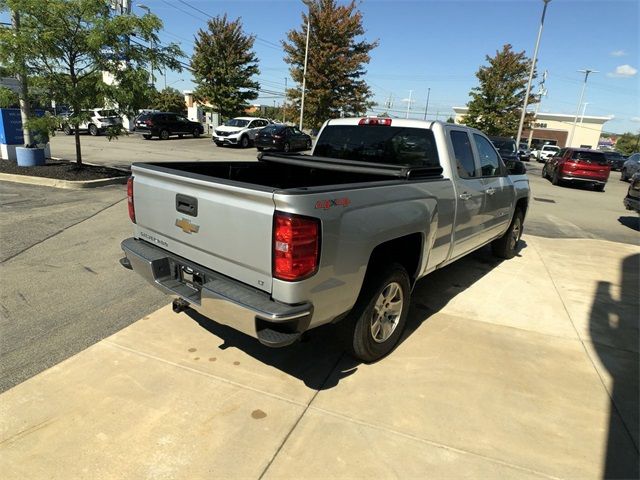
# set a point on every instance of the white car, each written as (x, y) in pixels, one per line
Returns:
(99, 120)
(546, 152)
(239, 131)
(630, 167)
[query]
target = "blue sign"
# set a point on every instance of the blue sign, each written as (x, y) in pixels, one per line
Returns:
(11, 126)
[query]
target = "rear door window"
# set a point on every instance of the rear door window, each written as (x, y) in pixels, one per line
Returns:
(463, 153)
(379, 144)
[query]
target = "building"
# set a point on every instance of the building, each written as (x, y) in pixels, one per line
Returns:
(555, 129)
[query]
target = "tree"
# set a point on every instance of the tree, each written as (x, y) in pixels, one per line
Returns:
(8, 98)
(336, 62)
(73, 44)
(496, 103)
(169, 100)
(224, 65)
(628, 143)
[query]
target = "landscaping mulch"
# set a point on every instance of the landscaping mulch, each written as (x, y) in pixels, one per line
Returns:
(61, 170)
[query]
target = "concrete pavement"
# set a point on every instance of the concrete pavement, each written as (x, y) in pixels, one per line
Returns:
(520, 369)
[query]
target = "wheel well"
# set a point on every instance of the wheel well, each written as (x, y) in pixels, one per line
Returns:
(403, 250)
(522, 205)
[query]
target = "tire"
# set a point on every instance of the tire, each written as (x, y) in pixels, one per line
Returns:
(308, 147)
(244, 141)
(260, 149)
(218, 144)
(196, 133)
(146, 137)
(67, 130)
(544, 172)
(179, 135)
(373, 328)
(598, 188)
(507, 245)
(623, 175)
(555, 178)
(93, 130)
(286, 148)
(164, 134)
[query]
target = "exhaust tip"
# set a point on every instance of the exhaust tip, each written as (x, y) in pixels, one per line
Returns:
(180, 305)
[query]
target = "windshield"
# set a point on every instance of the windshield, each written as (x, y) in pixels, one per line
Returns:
(551, 148)
(505, 146)
(378, 144)
(236, 122)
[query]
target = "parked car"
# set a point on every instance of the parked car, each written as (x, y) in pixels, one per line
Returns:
(578, 165)
(95, 121)
(240, 131)
(282, 138)
(524, 153)
(277, 247)
(506, 147)
(630, 167)
(632, 200)
(165, 124)
(615, 159)
(546, 152)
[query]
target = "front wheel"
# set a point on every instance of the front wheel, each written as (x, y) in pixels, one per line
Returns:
(244, 142)
(93, 130)
(375, 325)
(67, 130)
(196, 133)
(146, 137)
(506, 245)
(286, 148)
(164, 134)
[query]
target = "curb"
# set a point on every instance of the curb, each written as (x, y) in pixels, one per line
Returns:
(70, 184)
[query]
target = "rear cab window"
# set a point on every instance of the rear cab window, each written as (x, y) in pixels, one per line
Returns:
(413, 147)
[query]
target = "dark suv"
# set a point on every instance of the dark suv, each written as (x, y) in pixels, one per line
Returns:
(165, 124)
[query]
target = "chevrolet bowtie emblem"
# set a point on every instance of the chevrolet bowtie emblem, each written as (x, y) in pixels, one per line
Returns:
(187, 226)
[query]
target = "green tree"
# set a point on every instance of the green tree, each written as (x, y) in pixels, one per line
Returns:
(336, 62)
(496, 103)
(8, 98)
(169, 100)
(73, 44)
(628, 143)
(224, 65)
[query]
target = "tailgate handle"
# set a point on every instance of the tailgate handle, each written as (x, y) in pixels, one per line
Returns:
(187, 205)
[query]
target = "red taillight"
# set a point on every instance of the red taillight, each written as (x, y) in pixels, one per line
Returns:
(148, 123)
(375, 121)
(296, 246)
(132, 208)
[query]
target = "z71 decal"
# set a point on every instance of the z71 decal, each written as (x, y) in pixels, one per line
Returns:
(337, 202)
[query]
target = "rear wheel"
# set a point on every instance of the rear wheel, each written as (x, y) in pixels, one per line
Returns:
(164, 134)
(545, 174)
(196, 133)
(244, 142)
(67, 130)
(378, 319)
(598, 187)
(286, 148)
(623, 175)
(93, 130)
(506, 245)
(555, 178)
(146, 137)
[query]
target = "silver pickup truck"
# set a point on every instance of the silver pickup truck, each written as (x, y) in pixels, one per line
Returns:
(278, 246)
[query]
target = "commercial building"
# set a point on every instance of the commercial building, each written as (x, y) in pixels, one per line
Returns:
(555, 129)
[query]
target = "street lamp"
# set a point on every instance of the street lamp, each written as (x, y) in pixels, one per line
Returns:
(148, 10)
(586, 72)
(308, 3)
(531, 70)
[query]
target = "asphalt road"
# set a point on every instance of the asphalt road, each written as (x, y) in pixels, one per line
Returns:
(63, 289)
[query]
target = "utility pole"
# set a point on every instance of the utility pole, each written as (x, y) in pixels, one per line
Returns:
(306, 57)
(586, 72)
(284, 107)
(22, 80)
(531, 70)
(409, 103)
(427, 107)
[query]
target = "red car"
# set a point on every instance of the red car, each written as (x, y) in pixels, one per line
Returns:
(578, 165)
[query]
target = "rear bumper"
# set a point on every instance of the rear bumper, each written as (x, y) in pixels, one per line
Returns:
(569, 177)
(220, 298)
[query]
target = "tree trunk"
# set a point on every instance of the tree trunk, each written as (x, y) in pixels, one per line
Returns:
(23, 92)
(76, 134)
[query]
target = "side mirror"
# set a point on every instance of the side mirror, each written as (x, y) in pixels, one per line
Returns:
(516, 167)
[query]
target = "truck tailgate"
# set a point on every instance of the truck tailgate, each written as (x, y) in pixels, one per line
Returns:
(221, 226)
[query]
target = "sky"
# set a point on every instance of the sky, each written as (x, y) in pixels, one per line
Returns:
(440, 44)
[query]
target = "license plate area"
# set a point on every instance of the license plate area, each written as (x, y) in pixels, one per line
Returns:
(181, 279)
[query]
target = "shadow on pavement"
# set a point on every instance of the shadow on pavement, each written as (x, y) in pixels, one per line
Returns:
(613, 326)
(632, 222)
(322, 347)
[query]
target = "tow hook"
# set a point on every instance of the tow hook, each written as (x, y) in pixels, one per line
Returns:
(126, 263)
(180, 305)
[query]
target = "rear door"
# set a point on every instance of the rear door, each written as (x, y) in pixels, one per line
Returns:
(470, 191)
(222, 226)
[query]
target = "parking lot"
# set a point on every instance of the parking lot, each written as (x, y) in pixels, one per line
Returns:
(520, 369)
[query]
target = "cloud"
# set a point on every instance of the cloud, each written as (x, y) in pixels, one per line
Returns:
(618, 53)
(635, 119)
(623, 71)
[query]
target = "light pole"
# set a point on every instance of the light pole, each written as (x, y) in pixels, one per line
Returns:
(427, 107)
(308, 3)
(584, 109)
(153, 78)
(542, 92)
(586, 72)
(531, 70)
(409, 102)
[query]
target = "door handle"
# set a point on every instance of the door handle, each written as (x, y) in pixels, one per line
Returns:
(465, 196)
(490, 191)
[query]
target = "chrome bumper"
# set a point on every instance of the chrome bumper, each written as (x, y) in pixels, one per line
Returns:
(220, 298)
